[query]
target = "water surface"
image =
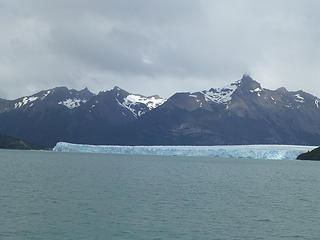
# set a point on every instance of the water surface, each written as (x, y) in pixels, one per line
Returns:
(48, 195)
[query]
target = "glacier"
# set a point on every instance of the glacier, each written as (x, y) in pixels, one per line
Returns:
(278, 152)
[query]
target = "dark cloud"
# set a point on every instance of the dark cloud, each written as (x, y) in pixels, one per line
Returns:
(157, 46)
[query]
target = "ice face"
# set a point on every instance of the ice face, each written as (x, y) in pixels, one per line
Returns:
(239, 151)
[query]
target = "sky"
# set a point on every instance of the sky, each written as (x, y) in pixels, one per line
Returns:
(157, 47)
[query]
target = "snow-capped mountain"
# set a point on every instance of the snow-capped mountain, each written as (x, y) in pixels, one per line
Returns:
(229, 97)
(71, 99)
(129, 104)
(61, 113)
(60, 96)
(241, 113)
(137, 104)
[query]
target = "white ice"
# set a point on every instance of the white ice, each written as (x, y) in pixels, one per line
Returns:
(288, 152)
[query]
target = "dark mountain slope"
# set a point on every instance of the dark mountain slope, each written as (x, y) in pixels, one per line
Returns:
(43, 117)
(242, 113)
(61, 114)
(15, 143)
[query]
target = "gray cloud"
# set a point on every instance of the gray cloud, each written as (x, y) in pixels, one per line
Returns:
(154, 47)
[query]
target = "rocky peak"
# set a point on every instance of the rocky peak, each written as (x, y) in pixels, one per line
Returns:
(282, 90)
(118, 92)
(86, 93)
(248, 83)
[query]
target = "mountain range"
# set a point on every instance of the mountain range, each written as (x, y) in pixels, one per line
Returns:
(240, 113)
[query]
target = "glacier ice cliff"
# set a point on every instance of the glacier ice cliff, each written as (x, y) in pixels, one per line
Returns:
(234, 151)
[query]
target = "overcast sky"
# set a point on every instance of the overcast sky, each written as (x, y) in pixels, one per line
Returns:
(162, 46)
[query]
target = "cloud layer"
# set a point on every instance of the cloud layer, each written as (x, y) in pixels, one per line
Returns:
(160, 47)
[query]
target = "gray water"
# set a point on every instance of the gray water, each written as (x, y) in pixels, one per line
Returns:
(47, 195)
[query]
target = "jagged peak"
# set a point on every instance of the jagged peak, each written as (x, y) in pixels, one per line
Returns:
(224, 94)
(247, 84)
(85, 90)
(282, 90)
(63, 89)
(248, 81)
(116, 88)
(137, 104)
(246, 76)
(61, 95)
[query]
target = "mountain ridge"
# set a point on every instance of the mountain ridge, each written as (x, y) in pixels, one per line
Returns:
(242, 112)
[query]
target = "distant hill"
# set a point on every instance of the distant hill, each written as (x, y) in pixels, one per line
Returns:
(15, 143)
(313, 155)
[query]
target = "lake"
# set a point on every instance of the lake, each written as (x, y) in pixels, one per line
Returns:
(51, 195)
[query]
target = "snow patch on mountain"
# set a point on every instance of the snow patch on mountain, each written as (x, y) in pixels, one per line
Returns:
(150, 102)
(131, 101)
(316, 102)
(299, 98)
(24, 101)
(72, 103)
(221, 95)
(257, 90)
(127, 107)
(45, 95)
